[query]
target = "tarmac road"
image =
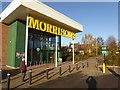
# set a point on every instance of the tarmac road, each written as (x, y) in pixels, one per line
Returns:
(87, 77)
(81, 78)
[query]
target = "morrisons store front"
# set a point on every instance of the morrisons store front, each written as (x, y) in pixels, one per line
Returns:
(34, 32)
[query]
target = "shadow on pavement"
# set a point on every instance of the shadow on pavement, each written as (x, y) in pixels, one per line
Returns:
(114, 73)
(38, 79)
(42, 72)
(91, 82)
(53, 75)
(64, 72)
(12, 72)
(19, 85)
(80, 80)
(72, 69)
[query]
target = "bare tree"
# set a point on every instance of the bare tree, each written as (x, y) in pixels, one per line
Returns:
(100, 43)
(112, 48)
(88, 43)
(112, 44)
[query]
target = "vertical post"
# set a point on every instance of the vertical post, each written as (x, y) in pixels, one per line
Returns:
(73, 50)
(69, 68)
(26, 40)
(104, 68)
(56, 52)
(82, 65)
(30, 77)
(76, 66)
(60, 70)
(87, 64)
(8, 81)
(47, 73)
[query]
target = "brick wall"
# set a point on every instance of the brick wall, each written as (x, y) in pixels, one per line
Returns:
(0, 44)
(4, 43)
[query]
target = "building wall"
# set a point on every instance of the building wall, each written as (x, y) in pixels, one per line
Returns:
(16, 43)
(0, 45)
(3, 43)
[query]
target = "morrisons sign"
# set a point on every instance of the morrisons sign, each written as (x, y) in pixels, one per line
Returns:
(46, 27)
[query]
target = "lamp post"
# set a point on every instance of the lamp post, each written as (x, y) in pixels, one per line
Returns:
(73, 50)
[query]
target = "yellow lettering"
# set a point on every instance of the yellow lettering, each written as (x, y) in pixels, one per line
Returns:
(33, 23)
(49, 27)
(73, 35)
(58, 31)
(54, 29)
(63, 32)
(43, 26)
(30, 20)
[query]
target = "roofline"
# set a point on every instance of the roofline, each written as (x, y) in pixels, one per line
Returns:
(46, 10)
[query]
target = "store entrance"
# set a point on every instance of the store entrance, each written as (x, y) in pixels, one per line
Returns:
(41, 47)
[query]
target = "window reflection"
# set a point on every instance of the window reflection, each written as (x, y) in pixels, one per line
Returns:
(41, 47)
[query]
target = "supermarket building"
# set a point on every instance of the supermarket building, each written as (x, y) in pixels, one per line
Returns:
(32, 30)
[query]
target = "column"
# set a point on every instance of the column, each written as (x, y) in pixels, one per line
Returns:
(73, 50)
(26, 41)
(56, 51)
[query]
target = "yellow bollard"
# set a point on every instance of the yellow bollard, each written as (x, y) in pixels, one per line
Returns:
(104, 68)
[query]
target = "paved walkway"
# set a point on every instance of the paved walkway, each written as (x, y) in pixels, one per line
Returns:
(75, 79)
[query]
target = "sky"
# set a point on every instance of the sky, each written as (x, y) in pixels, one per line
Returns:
(98, 18)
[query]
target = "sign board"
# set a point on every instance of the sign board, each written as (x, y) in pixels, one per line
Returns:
(104, 48)
(47, 27)
(104, 51)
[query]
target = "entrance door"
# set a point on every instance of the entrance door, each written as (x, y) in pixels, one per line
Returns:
(41, 47)
(35, 52)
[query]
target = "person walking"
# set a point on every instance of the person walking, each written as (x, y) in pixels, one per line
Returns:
(23, 69)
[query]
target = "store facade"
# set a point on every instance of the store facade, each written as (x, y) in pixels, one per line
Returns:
(34, 32)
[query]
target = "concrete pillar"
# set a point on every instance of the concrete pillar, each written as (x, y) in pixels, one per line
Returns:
(26, 40)
(73, 50)
(56, 51)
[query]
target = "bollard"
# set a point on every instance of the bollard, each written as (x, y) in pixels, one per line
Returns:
(76, 66)
(96, 65)
(87, 64)
(60, 70)
(8, 81)
(104, 68)
(47, 73)
(82, 65)
(69, 68)
(30, 77)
